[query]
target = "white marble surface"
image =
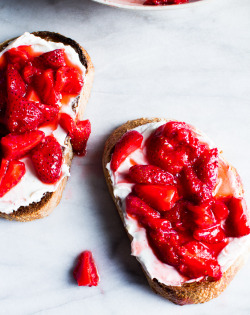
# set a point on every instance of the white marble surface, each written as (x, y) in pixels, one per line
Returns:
(191, 65)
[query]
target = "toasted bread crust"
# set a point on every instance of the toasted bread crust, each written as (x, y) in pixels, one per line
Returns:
(41, 209)
(188, 293)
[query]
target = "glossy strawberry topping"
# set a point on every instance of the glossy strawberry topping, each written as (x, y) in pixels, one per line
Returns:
(85, 271)
(173, 198)
(33, 87)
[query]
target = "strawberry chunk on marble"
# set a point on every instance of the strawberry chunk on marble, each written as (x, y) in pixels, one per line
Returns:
(85, 272)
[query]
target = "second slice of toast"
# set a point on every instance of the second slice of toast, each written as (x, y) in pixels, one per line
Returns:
(50, 200)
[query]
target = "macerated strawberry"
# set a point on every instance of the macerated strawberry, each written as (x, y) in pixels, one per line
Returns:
(29, 71)
(196, 260)
(44, 86)
(15, 84)
(158, 224)
(214, 234)
(220, 210)
(207, 167)
(164, 2)
(161, 198)
(138, 208)
(128, 143)
(3, 169)
(161, 152)
(80, 136)
(15, 146)
(22, 115)
(85, 271)
(47, 160)
(166, 245)
(53, 59)
(202, 215)
(193, 187)
(50, 112)
(14, 173)
(149, 174)
(79, 132)
(67, 122)
(69, 80)
(238, 222)
(179, 217)
(216, 248)
(179, 130)
(17, 56)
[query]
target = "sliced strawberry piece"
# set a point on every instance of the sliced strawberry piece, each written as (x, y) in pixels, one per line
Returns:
(29, 71)
(138, 208)
(53, 59)
(79, 132)
(165, 245)
(212, 235)
(162, 153)
(149, 174)
(180, 131)
(47, 160)
(207, 167)
(85, 271)
(23, 115)
(158, 224)
(67, 123)
(216, 248)
(220, 210)
(3, 169)
(44, 86)
(69, 80)
(128, 143)
(179, 217)
(50, 112)
(161, 198)
(238, 223)
(13, 175)
(196, 260)
(17, 56)
(15, 84)
(15, 146)
(202, 215)
(194, 188)
(80, 136)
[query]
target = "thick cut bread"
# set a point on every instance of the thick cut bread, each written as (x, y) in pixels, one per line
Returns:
(50, 200)
(189, 293)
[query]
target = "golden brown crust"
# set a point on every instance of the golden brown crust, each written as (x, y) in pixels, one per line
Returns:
(43, 208)
(188, 293)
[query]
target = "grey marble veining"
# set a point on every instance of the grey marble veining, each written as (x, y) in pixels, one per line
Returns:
(191, 65)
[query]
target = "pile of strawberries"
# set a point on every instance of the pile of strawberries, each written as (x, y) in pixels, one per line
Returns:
(32, 86)
(164, 2)
(172, 198)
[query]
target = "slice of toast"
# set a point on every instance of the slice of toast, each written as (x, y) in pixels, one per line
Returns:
(50, 200)
(187, 293)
